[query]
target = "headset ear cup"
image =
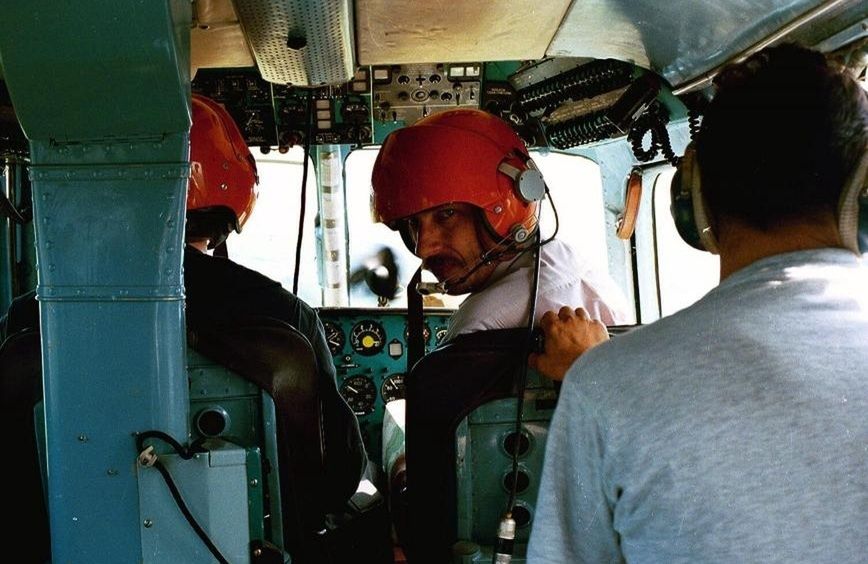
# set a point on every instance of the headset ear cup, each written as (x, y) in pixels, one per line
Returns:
(530, 185)
(688, 207)
(862, 236)
(681, 207)
(853, 209)
(701, 215)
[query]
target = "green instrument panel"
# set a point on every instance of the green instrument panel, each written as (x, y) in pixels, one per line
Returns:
(369, 348)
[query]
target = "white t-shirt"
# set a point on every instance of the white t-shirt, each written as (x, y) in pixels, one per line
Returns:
(564, 279)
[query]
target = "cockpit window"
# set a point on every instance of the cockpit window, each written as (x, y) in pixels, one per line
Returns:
(684, 273)
(268, 241)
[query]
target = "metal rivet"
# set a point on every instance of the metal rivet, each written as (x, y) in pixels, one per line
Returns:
(254, 483)
(112, 472)
(224, 186)
(82, 437)
(148, 523)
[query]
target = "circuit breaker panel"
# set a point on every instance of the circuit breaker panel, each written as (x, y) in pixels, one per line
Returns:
(561, 103)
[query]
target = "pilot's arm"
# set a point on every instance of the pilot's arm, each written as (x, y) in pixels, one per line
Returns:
(568, 334)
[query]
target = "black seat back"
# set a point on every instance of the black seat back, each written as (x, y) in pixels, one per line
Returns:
(442, 390)
(20, 391)
(460, 425)
(280, 361)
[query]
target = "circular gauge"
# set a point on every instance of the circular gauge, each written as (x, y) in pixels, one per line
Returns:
(426, 332)
(393, 388)
(439, 333)
(360, 394)
(367, 337)
(334, 337)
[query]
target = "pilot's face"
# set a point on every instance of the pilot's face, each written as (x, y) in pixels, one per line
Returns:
(450, 241)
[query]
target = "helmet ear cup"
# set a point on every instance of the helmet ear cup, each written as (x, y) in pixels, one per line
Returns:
(529, 187)
(528, 184)
(853, 208)
(688, 207)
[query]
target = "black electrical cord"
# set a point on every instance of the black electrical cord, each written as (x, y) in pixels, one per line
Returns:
(505, 544)
(186, 454)
(654, 120)
(303, 205)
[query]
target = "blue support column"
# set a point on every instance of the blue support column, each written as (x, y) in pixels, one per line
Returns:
(102, 91)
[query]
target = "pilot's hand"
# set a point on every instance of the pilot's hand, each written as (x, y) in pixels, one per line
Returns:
(568, 334)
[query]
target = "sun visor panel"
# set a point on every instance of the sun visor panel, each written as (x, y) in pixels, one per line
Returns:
(393, 32)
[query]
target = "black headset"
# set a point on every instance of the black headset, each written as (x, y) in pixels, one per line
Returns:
(693, 221)
(688, 206)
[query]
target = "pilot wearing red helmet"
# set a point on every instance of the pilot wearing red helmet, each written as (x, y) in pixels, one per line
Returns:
(464, 193)
(221, 196)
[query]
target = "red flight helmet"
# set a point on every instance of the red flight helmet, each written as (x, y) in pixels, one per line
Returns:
(222, 187)
(461, 155)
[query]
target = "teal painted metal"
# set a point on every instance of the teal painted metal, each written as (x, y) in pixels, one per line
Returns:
(272, 478)
(483, 466)
(374, 368)
(214, 487)
(106, 69)
(252, 425)
(255, 494)
(102, 92)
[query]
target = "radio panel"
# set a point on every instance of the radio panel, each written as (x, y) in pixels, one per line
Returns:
(404, 94)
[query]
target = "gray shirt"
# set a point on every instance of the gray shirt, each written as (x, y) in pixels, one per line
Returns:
(733, 431)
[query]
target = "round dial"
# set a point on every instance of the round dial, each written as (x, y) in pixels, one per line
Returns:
(439, 333)
(334, 337)
(360, 394)
(367, 337)
(426, 332)
(393, 388)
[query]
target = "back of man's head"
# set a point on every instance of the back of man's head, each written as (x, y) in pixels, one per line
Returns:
(783, 134)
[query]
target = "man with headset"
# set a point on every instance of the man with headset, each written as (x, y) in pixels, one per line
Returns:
(734, 430)
(463, 192)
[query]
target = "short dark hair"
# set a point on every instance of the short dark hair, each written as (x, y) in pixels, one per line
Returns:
(781, 136)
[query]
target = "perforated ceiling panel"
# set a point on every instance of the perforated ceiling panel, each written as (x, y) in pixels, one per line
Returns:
(301, 42)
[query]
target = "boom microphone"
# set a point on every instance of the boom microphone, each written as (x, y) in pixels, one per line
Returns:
(428, 288)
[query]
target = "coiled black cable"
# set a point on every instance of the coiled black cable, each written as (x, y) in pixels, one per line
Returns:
(694, 121)
(652, 121)
(586, 81)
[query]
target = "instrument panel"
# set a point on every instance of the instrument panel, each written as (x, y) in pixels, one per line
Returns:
(369, 349)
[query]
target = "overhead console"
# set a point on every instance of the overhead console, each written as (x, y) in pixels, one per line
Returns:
(404, 94)
(559, 103)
